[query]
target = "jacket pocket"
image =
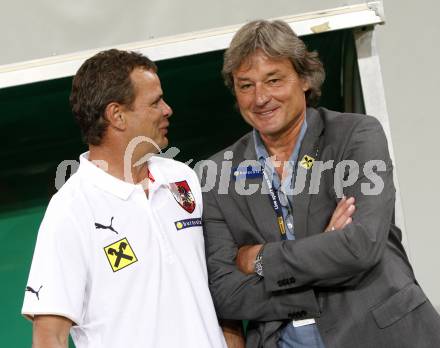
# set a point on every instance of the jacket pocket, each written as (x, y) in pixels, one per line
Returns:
(398, 305)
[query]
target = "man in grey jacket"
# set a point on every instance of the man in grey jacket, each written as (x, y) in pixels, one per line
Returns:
(276, 255)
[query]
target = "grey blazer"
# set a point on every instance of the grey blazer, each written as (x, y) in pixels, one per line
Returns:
(356, 282)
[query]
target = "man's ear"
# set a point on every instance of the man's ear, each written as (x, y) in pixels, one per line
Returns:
(114, 113)
(305, 84)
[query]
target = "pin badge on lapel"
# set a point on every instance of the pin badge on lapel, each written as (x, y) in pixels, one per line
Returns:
(307, 162)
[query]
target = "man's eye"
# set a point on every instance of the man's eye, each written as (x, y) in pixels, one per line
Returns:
(245, 86)
(274, 81)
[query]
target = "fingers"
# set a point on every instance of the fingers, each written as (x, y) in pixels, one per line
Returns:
(339, 209)
(345, 217)
(349, 221)
(342, 215)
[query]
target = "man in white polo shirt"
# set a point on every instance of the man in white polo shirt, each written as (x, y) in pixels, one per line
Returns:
(119, 259)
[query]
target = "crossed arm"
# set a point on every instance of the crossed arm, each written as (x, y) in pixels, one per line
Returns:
(341, 217)
(232, 329)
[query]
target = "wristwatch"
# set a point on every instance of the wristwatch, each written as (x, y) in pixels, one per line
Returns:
(258, 263)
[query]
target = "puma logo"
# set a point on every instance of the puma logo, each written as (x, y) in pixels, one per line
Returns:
(28, 288)
(109, 227)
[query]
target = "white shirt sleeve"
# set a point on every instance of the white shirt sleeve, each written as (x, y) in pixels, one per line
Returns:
(58, 274)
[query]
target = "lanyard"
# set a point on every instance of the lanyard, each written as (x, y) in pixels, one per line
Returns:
(276, 205)
(275, 201)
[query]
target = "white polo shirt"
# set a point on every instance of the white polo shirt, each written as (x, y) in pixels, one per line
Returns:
(128, 269)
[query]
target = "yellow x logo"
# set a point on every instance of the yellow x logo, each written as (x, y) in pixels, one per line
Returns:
(307, 162)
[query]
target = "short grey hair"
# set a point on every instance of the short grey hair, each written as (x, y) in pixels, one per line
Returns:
(277, 40)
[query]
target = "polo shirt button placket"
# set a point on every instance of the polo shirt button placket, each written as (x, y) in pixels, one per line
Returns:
(160, 232)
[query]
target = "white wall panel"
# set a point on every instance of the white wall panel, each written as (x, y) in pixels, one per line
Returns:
(31, 29)
(408, 49)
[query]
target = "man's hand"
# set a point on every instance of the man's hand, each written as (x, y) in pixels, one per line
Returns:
(246, 258)
(233, 332)
(342, 214)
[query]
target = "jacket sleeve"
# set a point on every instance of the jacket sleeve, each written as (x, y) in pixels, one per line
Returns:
(240, 296)
(339, 258)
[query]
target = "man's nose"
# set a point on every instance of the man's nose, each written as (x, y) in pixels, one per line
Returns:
(166, 110)
(262, 96)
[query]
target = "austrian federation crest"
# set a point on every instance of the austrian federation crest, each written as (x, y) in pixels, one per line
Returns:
(183, 195)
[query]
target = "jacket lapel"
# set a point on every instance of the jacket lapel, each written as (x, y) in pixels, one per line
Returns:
(309, 147)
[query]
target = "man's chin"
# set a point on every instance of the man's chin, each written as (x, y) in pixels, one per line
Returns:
(163, 143)
(268, 132)
(159, 144)
(269, 127)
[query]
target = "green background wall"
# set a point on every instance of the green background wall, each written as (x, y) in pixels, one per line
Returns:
(39, 132)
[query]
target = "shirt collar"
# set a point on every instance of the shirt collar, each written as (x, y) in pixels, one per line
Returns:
(261, 151)
(106, 182)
